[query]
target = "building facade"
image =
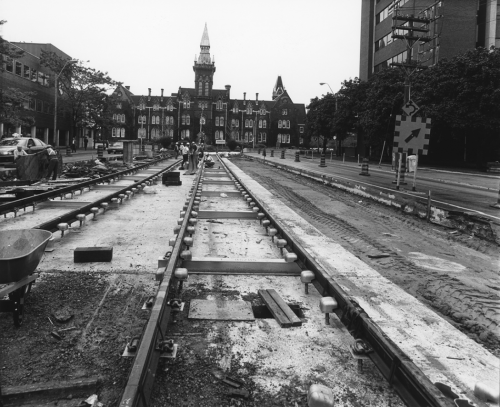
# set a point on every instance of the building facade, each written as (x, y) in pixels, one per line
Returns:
(454, 26)
(27, 75)
(203, 112)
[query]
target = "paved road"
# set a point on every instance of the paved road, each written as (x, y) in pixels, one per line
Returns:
(453, 190)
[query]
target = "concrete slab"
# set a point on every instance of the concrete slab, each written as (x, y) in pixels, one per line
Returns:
(221, 310)
(138, 231)
(233, 238)
(442, 352)
(218, 203)
(311, 353)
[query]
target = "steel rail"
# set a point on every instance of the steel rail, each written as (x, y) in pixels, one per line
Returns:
(29, 201)
(68, 217)
(140, 383)
(411, 384)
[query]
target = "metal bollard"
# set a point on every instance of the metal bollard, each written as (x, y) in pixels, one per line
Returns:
(297, 158)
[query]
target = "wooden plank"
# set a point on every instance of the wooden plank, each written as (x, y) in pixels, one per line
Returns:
(41, 391)
(294, 319)
(278, 314)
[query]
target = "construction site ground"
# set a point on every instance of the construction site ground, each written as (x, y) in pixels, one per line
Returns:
(454, 274)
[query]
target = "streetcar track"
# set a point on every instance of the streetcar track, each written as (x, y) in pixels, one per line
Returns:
(468, 312)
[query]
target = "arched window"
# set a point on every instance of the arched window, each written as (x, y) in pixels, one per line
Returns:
(288, 124)
(113, 132)
(260, 124)
(206, 88)
(219, 105)
(188, 119)
(279, 138)
(171, 120)
(114, 116)
(237, 123)
(264, 124)
(222, 121)
(233, 123)
(171, 132)
(183, 119)
(250, 123)
(279, 125)
(200, 88)
(246, 122)
(155, 133)
(249, 108)
(216, 121)
(122, 132)
(123, 118)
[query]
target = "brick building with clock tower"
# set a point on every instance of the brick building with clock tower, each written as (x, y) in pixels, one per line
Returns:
(208, 113)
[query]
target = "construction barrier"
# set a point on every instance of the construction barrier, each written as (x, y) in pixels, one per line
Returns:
(282, 154)
(297, 158)
(400, 166)
(497, 205)
(100, 151)
(364, 167)
(322, 162)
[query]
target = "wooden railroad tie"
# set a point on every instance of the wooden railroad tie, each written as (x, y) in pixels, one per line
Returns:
(280, 310)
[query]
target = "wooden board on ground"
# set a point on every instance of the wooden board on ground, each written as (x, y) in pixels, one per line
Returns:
(280, 310)
(294, 319)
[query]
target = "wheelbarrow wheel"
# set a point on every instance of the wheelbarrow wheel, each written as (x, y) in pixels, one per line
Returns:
(17, 297)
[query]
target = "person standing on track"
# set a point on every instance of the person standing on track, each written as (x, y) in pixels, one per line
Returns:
(185, 154)
(53, 163)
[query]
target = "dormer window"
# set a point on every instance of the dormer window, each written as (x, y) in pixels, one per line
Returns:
(219, 105)
(156, 107)
(119, 105)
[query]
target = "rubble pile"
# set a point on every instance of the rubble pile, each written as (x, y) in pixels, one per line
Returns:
(92, 169)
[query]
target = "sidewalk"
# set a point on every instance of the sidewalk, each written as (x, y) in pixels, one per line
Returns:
(473, 179)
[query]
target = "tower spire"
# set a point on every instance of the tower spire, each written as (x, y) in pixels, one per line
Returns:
(205, 42)
(204, 57)
(278, 88)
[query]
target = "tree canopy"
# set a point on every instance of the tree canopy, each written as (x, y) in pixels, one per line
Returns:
(82, 90)
(461, 96)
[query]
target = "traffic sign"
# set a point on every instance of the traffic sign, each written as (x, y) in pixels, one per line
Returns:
(410, 108)
(411, 135)
(220, 141)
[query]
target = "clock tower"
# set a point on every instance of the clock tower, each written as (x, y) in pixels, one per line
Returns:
(204, 68)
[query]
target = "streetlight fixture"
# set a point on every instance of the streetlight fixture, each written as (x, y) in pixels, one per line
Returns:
(324, 83)
(69, 61)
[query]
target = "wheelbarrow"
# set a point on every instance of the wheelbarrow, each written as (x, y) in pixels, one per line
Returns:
(20, 252)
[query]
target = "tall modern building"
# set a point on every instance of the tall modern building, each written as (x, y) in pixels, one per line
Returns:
(210, 113)
(453, 26)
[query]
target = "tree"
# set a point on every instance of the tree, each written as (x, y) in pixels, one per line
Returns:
(82, 92)
(14, 103)
(320, 119)
(462, 96)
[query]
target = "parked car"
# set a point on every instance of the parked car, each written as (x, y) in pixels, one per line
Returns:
(115, 147)
(29, 144)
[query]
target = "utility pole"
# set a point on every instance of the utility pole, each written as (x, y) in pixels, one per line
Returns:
(412, 29)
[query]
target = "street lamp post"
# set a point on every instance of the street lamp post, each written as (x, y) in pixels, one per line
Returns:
(69, 61)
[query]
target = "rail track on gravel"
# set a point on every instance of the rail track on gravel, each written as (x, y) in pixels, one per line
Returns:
(218, 208)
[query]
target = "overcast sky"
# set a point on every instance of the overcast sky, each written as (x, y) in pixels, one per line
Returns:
(152, 43)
